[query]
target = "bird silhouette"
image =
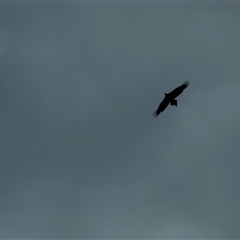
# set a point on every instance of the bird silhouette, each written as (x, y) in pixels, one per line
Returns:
(170, 98)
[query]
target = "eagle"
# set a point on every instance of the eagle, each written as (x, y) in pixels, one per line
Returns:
(170, 98)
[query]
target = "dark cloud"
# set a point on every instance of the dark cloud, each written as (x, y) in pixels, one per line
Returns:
(81, 155)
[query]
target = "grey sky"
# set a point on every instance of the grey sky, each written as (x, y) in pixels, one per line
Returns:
(81, 155)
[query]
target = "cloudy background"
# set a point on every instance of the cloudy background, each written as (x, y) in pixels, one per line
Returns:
(81, 155)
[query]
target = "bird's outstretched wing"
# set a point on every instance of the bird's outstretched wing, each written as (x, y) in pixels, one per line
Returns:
(162, 106)
(177, 91)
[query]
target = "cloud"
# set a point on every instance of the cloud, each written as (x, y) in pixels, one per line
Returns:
(81, 155)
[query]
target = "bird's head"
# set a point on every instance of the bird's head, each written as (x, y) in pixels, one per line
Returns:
(165, 94)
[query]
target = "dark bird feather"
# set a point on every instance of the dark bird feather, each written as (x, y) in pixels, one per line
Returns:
(170, 98)
(162, 106)
(177, 91)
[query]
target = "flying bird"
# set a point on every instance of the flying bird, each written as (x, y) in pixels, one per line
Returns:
(170, 98)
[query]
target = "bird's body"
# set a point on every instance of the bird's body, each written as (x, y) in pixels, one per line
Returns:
(170, 98)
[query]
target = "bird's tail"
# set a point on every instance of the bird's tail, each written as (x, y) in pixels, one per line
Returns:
(173, 102)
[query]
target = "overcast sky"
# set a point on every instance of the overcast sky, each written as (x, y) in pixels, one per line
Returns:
(81, 155)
